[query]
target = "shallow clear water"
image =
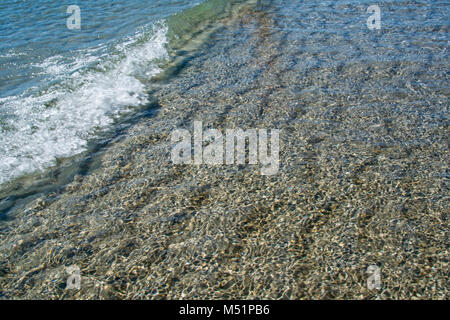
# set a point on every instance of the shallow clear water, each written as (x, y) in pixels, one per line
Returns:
(60, 88)
(363, 171)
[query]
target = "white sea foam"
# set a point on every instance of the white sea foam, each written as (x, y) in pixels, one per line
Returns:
(36, 129)
(12, 54)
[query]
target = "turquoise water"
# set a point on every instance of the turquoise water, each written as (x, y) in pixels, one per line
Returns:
(36, 44)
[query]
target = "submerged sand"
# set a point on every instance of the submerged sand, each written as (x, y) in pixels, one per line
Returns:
(362, 181)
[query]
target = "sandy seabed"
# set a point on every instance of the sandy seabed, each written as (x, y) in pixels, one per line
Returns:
(362, 181)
